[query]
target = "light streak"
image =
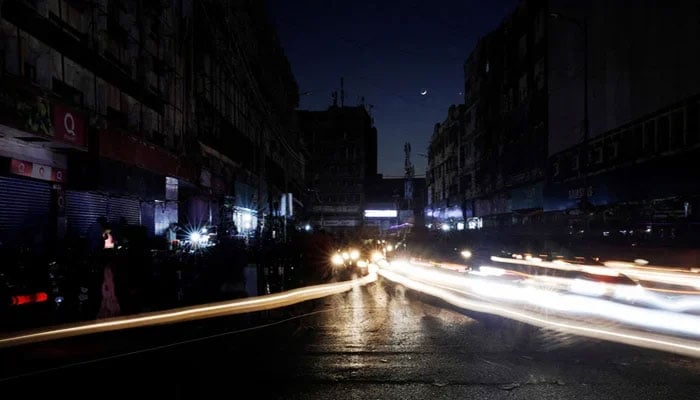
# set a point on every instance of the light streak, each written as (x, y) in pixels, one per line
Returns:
(618, 334)
(555, 294)
(670, 276)
(239, 306)
(650, 275)
(683, 300)
(558, 264)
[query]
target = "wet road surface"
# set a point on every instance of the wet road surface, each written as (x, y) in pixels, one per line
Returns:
(375, 342)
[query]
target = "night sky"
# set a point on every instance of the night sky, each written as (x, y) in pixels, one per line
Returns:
(389, 52)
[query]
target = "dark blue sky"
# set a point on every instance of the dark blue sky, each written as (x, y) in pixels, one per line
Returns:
(387, 51)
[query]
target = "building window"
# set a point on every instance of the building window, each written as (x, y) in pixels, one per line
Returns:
(467, 182)
(662, 134)
(574, 162)
(539, 74)
(677, 129)
(522, 88)
(692, 122)
(522, 47)
(555, 168)
(539, 26)
(507, 100)
(597, 155)
(613, 150)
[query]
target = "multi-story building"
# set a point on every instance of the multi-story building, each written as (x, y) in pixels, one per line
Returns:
(530, 146)
(342, 143)
(444, 202)
(497, 159)
(244, 101)
(639, 164)
(133, 111)
(505, 92)
(93, 115)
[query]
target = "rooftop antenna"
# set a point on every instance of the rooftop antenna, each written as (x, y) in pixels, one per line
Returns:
(334, 96)
(342, 92)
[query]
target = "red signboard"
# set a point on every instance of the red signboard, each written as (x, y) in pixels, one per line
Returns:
(68, 125)
(128, 149)
(37, 171)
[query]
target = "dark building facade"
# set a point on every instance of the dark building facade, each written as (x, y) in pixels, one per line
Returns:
(121, 109)
(444, 170)
(489, 156)
(252, 165)
(639, 165)
(342, 145)
(525, 155)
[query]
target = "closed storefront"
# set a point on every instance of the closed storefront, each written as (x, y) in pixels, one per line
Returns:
(24, 211)
(82, 211)
(119, 208)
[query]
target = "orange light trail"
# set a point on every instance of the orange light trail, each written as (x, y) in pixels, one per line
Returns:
(239, 306)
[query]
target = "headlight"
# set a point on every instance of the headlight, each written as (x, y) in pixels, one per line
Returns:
(376, 256)
(362, 264)
(337, 259)
(354, 254)
(195, 237)
(345, 255)
(466, 254)
(389, 248)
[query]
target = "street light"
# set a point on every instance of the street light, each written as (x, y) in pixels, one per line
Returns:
(583, 26)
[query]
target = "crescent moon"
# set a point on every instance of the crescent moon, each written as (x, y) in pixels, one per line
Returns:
(423, 93)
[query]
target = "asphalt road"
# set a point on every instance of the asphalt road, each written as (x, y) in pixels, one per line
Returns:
(377, 342)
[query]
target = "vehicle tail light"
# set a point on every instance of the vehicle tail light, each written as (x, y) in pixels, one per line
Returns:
(19, 300)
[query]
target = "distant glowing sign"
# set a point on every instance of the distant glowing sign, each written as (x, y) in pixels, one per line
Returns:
(380, 213)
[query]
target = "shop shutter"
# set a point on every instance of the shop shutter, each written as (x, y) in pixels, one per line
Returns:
(118, 207)
(148, 217)
(82, 210)
(24, 209)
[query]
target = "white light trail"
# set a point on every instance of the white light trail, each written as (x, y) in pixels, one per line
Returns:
(617, 334)
(663, 275)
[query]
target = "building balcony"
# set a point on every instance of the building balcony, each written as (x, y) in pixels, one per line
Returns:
(75, 45)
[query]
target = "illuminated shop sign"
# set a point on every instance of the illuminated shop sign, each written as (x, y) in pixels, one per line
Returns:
(380, 213)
